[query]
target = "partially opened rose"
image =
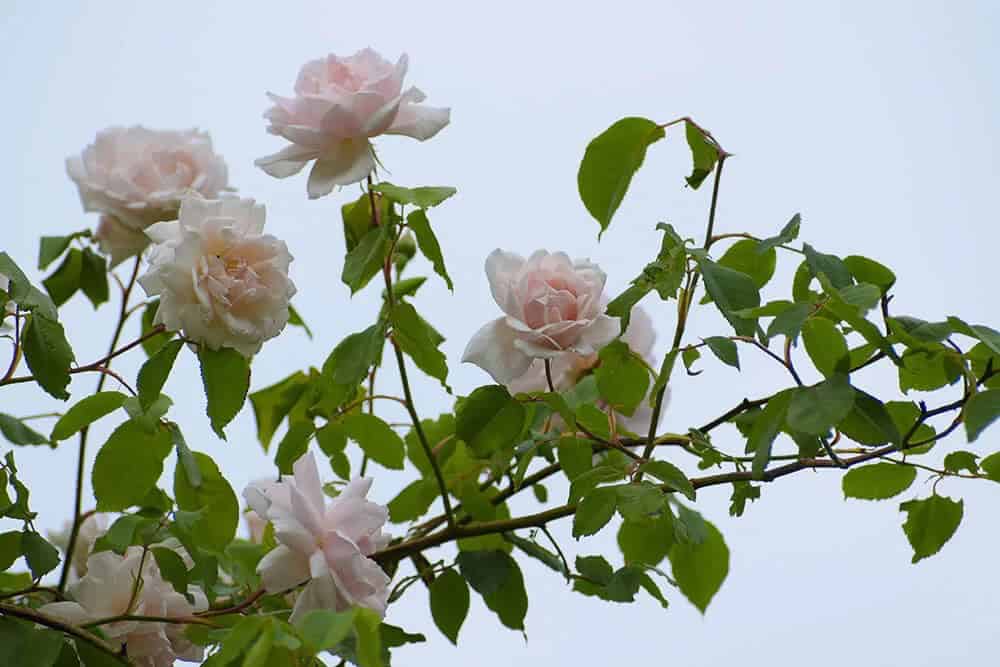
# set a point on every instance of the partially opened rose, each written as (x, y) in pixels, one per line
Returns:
(220, 279)
(551, 305)
(339, 105)
(139, 176)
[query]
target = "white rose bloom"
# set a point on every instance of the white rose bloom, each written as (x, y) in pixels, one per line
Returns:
(92, 528)
(220, 279)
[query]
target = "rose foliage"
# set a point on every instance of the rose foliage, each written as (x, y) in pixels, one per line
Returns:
(152, 571)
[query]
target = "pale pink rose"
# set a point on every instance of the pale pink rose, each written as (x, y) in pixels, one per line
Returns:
(108, 589)
(256, 525)
(220, 279)
(552, 305)
(139, 176)
(325, 544)
(119, 241)
(340, 104)
(92, 528)
(569, 368)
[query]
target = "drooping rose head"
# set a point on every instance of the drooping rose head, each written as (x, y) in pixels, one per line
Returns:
(140, 175)
(119, 241)
(220, 279)
(339, 105)
(552, 304)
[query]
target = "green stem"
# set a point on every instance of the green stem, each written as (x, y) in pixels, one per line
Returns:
(34, 616)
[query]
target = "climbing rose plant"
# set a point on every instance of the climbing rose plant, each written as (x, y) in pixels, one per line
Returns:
(149, 571)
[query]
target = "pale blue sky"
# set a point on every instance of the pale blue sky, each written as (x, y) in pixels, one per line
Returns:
(878, 121)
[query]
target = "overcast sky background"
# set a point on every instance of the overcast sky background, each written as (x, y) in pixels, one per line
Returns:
(878, 121)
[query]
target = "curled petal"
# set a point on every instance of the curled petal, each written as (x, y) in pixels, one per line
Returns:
(502, 269)
(493, 350)
(281, 569)
(287, 162)
(601, 331)
(348, 162)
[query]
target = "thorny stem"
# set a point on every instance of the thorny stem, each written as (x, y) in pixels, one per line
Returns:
(82, 455)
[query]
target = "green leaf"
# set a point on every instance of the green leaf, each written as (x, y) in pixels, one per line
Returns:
(419, 341)
(765, 429)
(704, 155)
(991, 466)
(622, 378)
(609, 163)
(864, 296)
(647, 542)
(94, 277)
(930, 523)
(575, 456)
(642, 501)
(417, 220)
(670, 475)
(594, 511)
(869, 422)
(366, 259)
(788, 233)
(981, 410)
(829, 265)
(700, 568)
(376, 439)
(510, 601)
(878, 481)
(172, 568)
(128, 466)
(421, 197)
(489, 419)
(153, 374)
(742, 492)
(152, 344)
(51, 248)
(23, 645)
(214, 501)
(926, 370)
(595, 568)
(961, 460)
(48, 354)
(295, 320)
(725, 350)
(790, 321)
(225, 374)
(449, 596)
(486, 571)
(731, 291)
(18, 433)
(815, 410)
(294, 444)
(350, 361)
(10, 549)
(413, 501)
(867, 270)
(86, 412)
(826, 346)
(989, 337)
(41, 556)
(746, 257)
(323, 629)
(369, 641)
(65, 281)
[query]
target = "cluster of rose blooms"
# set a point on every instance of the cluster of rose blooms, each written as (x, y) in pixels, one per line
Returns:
(223, 282)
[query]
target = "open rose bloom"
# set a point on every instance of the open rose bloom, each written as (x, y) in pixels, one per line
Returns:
(551, 305)
(324, 544)
(136, 176)
(340, 104)
(220, 279)
(109, 589)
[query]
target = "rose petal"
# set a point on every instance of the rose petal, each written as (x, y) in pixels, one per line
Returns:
(493, 349)
(350, 162)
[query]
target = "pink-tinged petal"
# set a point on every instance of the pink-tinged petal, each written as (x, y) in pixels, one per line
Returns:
(355, 518)
(287, 162)
(419, 121)
(540, 348)
(307, 480)
(493, 349)
(502, 269)
(289, 530)
(381, 118)
(356, 488)
(640, 335)
(601, 331)
(317, 564)
(342, 122)
(306, 514)
(164, 232)
(349, 162)
(281, 569)
(319, 593)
